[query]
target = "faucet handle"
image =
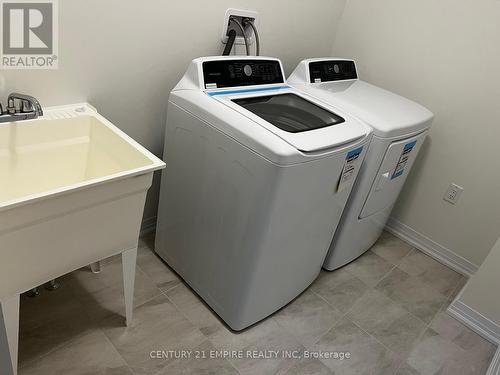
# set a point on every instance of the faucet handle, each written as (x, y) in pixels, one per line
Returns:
(32, 103)
(11, 106)
(26, 106)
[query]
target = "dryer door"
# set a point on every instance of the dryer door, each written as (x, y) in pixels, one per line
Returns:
(392, 174)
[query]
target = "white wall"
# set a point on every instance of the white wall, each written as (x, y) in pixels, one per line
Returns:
(444, 54)
(481, 292)
(124, 57)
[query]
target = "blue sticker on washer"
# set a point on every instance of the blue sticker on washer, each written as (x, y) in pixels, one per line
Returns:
(350, 166)
(403, 159)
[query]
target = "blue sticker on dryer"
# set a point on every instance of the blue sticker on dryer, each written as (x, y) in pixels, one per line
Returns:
(350, 165)
(403, 159)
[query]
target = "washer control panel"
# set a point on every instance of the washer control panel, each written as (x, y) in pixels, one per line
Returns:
(332, 70)
(232, 73)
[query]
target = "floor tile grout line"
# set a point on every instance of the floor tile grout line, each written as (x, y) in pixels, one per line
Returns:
(345, 316)
(377, 340)
(116, 350)
(406, 309)
(416, 250)
(195, 325)
(417, 340)
(93, 322)
(99, 327)
(426, 284)
(164, 293)
(153, 282)
(395, 266)
(295, 336)
(52, 350)
(133, 310)
(402, 359)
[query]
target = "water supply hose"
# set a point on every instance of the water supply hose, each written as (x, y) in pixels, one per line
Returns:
(230, 42)
(257, 39)
(240, 26)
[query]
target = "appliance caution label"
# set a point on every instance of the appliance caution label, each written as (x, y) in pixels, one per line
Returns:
(349, 170)
(403, 159)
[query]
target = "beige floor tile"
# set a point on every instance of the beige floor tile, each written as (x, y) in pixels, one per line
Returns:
(50, 321)
(368, 356)
(158, 271)
(452, 330)
(79, 329)
(102, 294)
(272, 337)
(388, 322)
(309, 367)
(406, 369)
(307, 318)
(369, 268)
(469, 362)
(339, 288)
(413, 294)
(391, 248)
(49, 305)
(157, 325)
(37, 341)
(202, 361)
(196, 311)
(435, 355)
(435, 274)
(226, 339)
(461, 283)
(90, 354)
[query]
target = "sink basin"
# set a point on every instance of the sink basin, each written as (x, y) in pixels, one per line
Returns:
(65, 151)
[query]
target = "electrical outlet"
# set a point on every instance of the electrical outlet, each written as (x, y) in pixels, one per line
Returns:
(453, 194)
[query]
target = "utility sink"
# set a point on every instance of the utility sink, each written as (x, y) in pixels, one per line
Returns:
(72, 192)
(67, 149)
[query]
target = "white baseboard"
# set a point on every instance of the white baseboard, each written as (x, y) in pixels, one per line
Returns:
(148, 225)
(431, 248)
(482, 326)
(475, 321)
(494, 368)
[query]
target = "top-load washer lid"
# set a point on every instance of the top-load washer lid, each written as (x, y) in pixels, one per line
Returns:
(336, 82)
(303, 122)
(290, 112)
(247, 98)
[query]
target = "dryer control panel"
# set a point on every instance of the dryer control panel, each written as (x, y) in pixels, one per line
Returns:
(240, 72)
(332, 70)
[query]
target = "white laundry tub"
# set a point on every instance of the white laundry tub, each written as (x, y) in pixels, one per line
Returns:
(72, 192)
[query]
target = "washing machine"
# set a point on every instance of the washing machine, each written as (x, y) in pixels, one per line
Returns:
(399, 129)
(258, 176)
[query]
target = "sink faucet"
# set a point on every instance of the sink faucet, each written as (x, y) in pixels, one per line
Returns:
(20, 107)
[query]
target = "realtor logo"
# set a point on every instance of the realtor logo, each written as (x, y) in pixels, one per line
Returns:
(28, 34)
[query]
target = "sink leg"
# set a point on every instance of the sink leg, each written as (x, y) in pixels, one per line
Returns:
(9, 335)
(95, 267)
(129, 258)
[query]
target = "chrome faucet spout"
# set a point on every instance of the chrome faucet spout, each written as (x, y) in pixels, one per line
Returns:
(20, 107)
(26, 99)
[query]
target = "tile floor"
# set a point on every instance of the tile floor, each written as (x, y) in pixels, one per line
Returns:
(387, 309)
